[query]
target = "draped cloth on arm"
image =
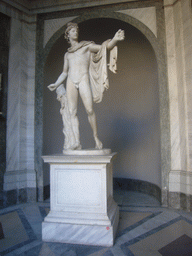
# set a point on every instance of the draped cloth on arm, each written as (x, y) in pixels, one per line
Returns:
(98, 71)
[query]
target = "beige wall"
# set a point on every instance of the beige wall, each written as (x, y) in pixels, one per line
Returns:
(128, 117)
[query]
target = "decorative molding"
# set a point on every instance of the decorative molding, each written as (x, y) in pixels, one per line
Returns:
(40, 6)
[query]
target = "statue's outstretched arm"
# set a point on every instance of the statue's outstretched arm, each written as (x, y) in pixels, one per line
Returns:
(94, 47)
(119, 36)
(62, 77)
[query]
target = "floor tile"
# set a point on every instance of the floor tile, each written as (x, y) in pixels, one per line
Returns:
(145, 228)
(154, 242)
(180, 246)
(130, 218)
(17, 231)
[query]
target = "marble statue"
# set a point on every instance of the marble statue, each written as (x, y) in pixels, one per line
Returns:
(85, 69)
(69, 138)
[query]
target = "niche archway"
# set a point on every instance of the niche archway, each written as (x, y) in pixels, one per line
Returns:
(129, 116)
(160, 52)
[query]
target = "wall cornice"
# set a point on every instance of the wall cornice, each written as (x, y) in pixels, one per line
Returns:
(31, 7)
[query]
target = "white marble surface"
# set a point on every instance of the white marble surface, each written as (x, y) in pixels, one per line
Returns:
(98, 235)
(13, 127)
(81, 201)
(146, 15)
(178, 37)
(77, 159)
(104, 151)
(20, 112)
(85, 71)
(178, 41)
(20, 171)
(172, 57)
(180, 181)
(186, 44)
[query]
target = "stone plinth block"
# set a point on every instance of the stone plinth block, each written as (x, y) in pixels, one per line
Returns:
(82, 209)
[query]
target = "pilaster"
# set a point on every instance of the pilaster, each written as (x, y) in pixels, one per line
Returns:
(20, 109)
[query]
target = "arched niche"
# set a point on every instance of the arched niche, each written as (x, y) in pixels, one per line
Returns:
(123, 129)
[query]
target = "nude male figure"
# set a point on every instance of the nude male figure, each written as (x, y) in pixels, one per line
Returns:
(76, 70)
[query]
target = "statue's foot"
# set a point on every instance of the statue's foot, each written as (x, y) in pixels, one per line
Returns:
(99, 144)
(76, 146)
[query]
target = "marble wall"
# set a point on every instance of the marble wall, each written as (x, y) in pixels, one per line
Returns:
(20, 173)
(178, 37)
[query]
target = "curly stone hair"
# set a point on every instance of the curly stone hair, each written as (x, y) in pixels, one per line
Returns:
(70, 25)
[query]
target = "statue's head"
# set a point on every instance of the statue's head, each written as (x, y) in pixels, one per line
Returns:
(70, 26)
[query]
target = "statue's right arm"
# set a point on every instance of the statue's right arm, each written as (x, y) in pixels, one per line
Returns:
(62, 77)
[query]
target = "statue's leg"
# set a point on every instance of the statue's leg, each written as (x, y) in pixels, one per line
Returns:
(72, 98)
(86, 95)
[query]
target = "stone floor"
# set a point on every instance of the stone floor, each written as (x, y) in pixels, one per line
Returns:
(145, 229)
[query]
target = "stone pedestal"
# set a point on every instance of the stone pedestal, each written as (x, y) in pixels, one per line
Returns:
(82, 209)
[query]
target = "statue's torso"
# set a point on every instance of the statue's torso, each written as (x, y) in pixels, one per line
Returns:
(78, 62)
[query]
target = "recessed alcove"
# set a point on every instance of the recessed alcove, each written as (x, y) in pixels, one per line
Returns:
(128, 117)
